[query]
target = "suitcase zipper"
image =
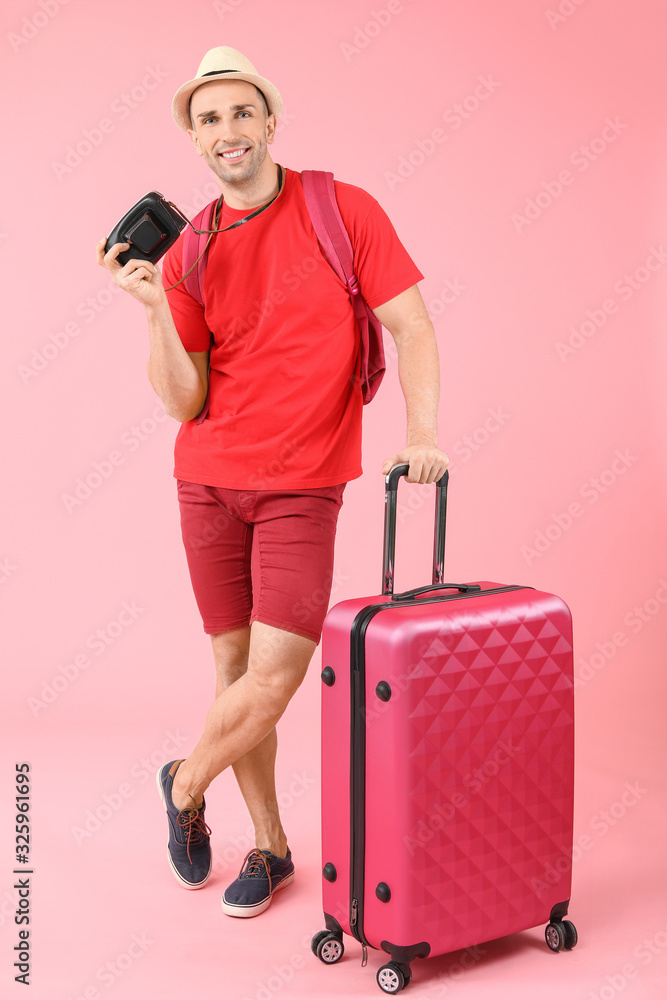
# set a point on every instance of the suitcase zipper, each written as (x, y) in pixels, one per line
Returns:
(358, 743)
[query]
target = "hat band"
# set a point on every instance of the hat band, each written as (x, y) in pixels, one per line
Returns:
(212, 72)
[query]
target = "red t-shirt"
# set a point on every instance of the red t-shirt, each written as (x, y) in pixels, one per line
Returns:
(284, 410)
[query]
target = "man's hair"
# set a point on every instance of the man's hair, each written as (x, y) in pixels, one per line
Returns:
(262, 102)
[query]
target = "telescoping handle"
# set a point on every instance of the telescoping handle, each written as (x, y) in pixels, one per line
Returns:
(438, 574)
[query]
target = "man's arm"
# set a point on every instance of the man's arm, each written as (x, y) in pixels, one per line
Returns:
(179, 377)
(408, 322)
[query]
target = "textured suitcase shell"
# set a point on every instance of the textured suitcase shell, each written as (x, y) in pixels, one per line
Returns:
(468, 767)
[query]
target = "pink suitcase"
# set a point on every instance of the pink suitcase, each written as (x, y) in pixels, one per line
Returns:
(447, 764)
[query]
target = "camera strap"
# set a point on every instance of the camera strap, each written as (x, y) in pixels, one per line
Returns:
(246, 218)
(234, 225)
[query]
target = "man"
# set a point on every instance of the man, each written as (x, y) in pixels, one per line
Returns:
(261, 473)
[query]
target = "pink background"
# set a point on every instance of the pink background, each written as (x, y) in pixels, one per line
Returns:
(360, 99)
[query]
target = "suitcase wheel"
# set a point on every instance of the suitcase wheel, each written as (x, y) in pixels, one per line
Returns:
(561, 934)
(571, 936)
(316, 940)
(328, 947)
(393, 977)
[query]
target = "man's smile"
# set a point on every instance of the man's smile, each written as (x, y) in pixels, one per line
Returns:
(238, 153)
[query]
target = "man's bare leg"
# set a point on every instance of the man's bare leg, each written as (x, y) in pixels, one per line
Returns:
(241, 724)
(255, 771)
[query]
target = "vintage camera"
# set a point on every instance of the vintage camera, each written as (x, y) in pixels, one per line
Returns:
(151, 227)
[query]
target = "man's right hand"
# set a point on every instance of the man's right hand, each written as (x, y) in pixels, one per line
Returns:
(140, 278)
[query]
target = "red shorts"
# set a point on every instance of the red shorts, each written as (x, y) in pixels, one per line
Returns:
(260, 555)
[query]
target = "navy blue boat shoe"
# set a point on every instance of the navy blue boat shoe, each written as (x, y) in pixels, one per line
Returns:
(262, 875)
(189, 847)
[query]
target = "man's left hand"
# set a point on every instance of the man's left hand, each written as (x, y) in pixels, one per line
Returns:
(427, 462)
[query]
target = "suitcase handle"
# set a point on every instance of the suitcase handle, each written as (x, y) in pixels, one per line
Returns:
(464, 588)
(390, 490)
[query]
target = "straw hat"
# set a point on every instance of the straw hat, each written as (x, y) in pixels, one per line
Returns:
(227, 63)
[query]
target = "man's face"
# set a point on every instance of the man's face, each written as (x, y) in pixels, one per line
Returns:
(228, 117)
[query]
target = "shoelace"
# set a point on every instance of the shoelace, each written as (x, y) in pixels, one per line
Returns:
(257, 867)
(195, 825)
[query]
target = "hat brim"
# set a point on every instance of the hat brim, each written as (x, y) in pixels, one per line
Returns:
(181, 100)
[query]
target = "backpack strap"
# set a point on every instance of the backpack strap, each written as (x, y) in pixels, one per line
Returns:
(193, 245)
(320, 195)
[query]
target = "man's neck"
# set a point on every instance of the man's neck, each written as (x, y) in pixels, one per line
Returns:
(258, 191)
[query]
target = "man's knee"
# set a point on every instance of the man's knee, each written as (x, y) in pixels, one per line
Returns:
(277, 678)
(274, 691)
(277, 664)
(230, 652)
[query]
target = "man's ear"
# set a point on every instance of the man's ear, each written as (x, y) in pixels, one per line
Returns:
(271, 122)
(195, 141)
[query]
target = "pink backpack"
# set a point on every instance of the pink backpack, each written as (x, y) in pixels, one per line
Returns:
(318, 188)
